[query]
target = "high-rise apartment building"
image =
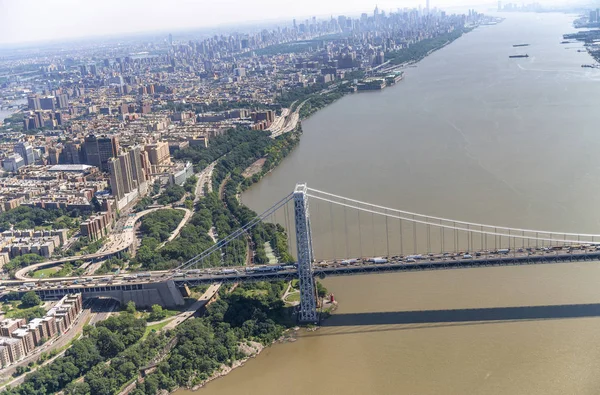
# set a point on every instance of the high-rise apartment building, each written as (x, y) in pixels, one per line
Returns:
(33, 102)
(135, 158)
(98, 150)
(159, 155)
(71, 154)
(116, 181)
(90, 149)
(48, 103)
(62, 100)
(108, 147)
(26, 152)
(126, 176)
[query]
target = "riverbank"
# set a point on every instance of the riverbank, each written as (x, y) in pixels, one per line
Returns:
(251, 349)
(464, 118)
(310, 104)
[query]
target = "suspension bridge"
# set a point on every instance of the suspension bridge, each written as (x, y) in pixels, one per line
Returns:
(354, 237)
(360, 237)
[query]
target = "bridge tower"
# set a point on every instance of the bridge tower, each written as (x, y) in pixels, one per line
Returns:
(308, 292)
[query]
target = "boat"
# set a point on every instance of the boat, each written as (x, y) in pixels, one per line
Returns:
(565, 42)
(519, 56)
(520, 45)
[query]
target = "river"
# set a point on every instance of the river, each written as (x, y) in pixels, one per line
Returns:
(473, 135)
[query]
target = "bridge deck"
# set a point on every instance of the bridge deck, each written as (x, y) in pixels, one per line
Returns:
(335, 269)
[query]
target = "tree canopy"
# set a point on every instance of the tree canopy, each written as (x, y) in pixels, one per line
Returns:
(30, 299)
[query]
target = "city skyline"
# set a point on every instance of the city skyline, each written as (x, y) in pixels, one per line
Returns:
(63, 19)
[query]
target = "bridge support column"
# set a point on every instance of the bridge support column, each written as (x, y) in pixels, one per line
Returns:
(308, 292)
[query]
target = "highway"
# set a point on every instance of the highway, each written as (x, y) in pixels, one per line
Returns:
(190, 311)
(204, 178)
(286, 122)
(120, 240)
(432, 261)
(520, 256)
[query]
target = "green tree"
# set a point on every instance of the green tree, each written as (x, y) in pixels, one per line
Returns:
(157, 313)
(77, 389)
(108, 342)
(321, 290)
(30, 299)
(190, 184)
(130, 308)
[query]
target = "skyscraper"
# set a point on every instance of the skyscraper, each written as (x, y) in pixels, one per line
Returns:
(135, 159)
(33, 102)
(98, 150)
(108, 147)
(170, 39)
(90, 150)
(26, 152)
(116, 181)
(126, 176)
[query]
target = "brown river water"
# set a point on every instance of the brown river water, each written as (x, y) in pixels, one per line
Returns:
(472, 135)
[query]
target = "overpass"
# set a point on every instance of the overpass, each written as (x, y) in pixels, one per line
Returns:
(406, 242)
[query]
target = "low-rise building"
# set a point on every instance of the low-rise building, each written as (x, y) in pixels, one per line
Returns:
(181, 174)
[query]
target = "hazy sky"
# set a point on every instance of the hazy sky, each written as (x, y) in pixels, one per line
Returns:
(35, 20)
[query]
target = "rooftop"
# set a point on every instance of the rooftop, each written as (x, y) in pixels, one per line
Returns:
(76, 168)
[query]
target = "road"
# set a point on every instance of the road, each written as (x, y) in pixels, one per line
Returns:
(184, 220)
(103, 309)
(279, 121)
(286, 122)
(119, 240)
(122, 239)
(190, 311)
(204, 178)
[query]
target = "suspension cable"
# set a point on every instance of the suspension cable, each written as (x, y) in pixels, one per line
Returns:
(408, 213)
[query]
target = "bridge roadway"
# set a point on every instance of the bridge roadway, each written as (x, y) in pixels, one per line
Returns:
(323, 269)
(338, 268)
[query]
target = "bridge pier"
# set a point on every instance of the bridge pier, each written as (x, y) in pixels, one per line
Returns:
(308, 291)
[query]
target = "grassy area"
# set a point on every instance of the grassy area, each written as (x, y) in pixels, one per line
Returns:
(251, 293)
(45, 273)
(168, 314)
(14, 309)
(293, 297)
(155, 327)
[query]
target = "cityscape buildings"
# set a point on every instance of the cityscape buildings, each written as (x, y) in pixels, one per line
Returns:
(19, 338)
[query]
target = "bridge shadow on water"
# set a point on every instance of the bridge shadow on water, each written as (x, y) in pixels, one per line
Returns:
(350, 323)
